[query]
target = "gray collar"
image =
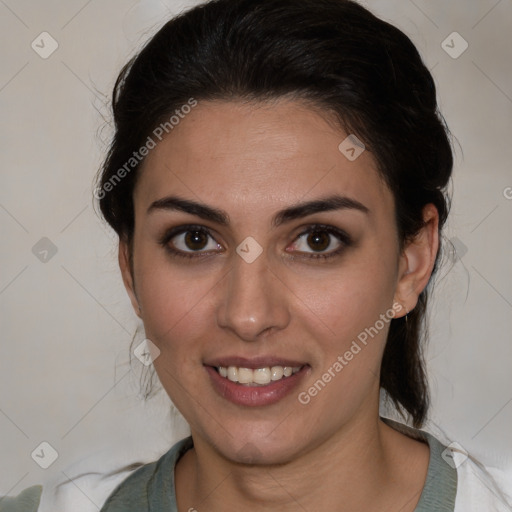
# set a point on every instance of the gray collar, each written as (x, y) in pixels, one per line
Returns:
(152, 488)
(440, 487)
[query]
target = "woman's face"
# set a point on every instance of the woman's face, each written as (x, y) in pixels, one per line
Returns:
(259, 244)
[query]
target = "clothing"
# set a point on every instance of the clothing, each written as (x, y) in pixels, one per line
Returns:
(150, 488)
(27, 501)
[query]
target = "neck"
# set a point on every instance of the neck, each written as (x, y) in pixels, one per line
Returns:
(364, 466)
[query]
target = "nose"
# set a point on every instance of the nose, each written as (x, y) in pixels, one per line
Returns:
(253, 300)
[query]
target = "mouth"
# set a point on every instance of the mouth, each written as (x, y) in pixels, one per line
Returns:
(256, 382)
(257, 376)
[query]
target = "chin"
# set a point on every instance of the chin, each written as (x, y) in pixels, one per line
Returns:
(259, 449)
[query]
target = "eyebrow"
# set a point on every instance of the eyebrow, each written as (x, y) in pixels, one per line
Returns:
(298, 211)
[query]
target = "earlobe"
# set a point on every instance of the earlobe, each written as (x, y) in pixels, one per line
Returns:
(417, 261)
(126, 272)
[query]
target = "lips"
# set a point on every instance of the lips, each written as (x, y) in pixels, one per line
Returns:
(258, 376)
(255, 382)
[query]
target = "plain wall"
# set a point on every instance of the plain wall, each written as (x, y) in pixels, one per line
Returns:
(66, 323)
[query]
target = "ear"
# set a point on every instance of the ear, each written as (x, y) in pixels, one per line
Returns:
(126, 272)
(417, 261)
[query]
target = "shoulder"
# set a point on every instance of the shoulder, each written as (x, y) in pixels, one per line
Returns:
(482, 488)
(131, 493)
(150, 486)
(456, 481)
(80, 492)
(83, 489)
(26, 501)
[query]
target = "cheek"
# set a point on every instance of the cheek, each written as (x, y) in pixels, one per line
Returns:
(342, 311)
(175, 302)
(176, 315)
(349, 299)
(342, 318)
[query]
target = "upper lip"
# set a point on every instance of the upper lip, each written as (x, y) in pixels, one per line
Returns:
(253, 363)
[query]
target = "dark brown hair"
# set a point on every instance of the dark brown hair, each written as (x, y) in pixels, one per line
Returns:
(334, 54)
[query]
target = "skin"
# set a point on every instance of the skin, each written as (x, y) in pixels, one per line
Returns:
(253, 160)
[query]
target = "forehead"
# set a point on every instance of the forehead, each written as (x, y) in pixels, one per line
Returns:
(258, 156)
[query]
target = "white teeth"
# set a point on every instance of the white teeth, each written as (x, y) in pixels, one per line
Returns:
(277, 372)
(233, 373)
(245, 375)
(259, 376)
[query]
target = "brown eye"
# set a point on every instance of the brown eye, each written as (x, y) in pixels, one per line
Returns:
(319, 240)
(196, 240)
(189, 241)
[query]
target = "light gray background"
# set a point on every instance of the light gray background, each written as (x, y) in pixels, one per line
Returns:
(66, 324)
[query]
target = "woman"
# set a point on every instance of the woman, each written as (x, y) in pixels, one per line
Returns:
(278, 182)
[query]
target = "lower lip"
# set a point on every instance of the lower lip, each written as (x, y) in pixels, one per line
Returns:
(255, 396)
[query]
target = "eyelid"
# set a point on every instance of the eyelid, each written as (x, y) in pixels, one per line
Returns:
(339, 233)
(344, 239)
(184, 228)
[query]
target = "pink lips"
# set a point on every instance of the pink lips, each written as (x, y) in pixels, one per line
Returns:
(254, 396)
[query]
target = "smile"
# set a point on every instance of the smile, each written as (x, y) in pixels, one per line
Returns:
(257, 376)
(255, 382)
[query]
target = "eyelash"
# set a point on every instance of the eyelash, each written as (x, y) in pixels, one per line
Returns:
(342, 237)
